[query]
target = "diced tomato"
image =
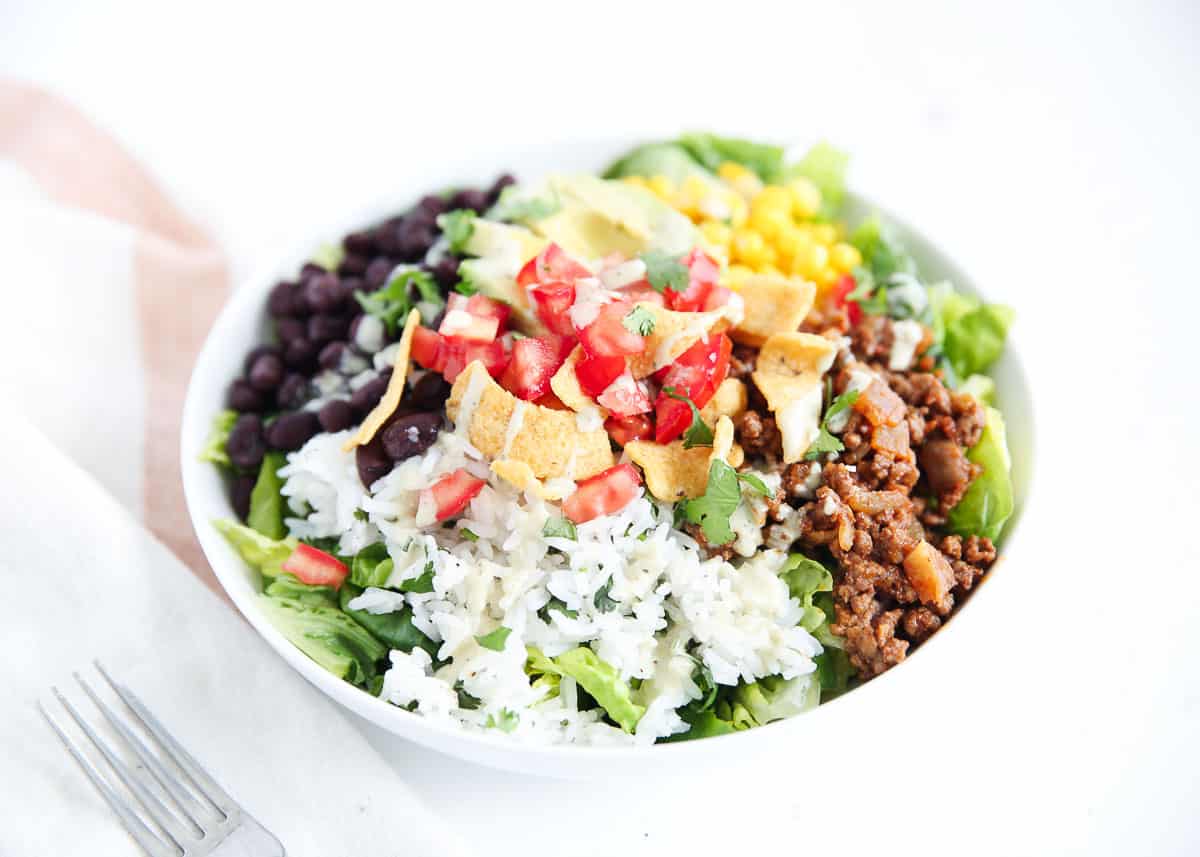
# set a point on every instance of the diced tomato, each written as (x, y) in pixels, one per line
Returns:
(841, 289)
(695, 374)
(463, 325)
(533, 364)
(527, 276)
(702, 277)
(427, 349)
(607, 336)
(643, 292)
(457, 354)
(553, 300)
(603, 494)
(553, 263)
(315, 567)
(626, 429)
(718, 296)
(454, 491)
(596, 373)
(625, 397)
(481, 306)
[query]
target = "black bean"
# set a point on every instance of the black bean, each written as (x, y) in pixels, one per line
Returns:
(244, 398)
(385, 236)
(499, 186)
(353, 264)
(300, 354)
(360, 243)
(292, 430)
(377, 273)
(446, 271)
(331, 355)
(432, 205)
(368, 395)
(476, 200)
(266, 373)
(326, 328)
(414, 237)
(311, 269)
(246, 444)
(239, 494)
(429, 393)
(373, 463)
(284, 299)
(353, 284)
(411, 435)
(295, 390)
(289, 328)
(337, 415)
(324, 294)
(256, 352)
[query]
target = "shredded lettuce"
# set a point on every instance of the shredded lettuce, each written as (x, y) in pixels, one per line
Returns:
(988, 503)
(218, 436)
(263, 553)
(266, 501)
(597, 677)
(395, 630)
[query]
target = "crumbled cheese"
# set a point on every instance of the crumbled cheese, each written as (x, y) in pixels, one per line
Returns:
(590, 298)
(906, 336)
(800, 422)
(829, 507)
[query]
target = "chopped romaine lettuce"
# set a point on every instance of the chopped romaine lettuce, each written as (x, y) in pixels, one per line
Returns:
(981, 387)
(969, 332)
(395, 630)
(371, 566)
(711, 151)
(598, 678)
(218, 436)
(327, 635)
(288, 586)
(805, 578)
(265, 554)
(988, 503)
(457, 228)
(657, 159)
(774, 697)
(883, 254)
(825, 166)
(266, 503)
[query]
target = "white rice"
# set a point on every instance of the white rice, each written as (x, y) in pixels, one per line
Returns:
(673, 608)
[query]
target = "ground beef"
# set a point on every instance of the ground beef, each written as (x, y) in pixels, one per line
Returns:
(758, 435)
(725, 552)
(871, 339)
(741, 362)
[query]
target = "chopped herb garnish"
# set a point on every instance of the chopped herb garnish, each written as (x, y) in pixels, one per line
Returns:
(421, 583)
(665, 271)
(466, 701)
(698, 433)
(457, 227)
(713, 509)
(604, 603)
(755, 483)
(826, 441)
(360, 515)
(560, 528)
(560, 606)
(468, 535)
(639, 320)
(494, 640)
(465, 287)
(506, 722)
(406, 287)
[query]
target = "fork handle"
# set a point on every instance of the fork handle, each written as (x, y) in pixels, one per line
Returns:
(250, 839)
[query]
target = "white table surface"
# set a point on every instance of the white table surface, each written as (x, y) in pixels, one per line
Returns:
(1052, 149)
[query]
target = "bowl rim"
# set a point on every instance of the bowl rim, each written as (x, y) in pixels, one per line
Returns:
(248, 298)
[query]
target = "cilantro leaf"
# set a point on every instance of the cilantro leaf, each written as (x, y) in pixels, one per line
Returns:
(469, 535)
(458, 227)
(604, 603)
(639, 320)
(515, 204)
(421, 583)
(494, 640)
(755, 483)
(841, 403)
(665, 271)
(506, 722)
(698, 433)
(465, 287)
(560, 528)
(393, 302)
(560, 606)
(826, 441)
(719, 501)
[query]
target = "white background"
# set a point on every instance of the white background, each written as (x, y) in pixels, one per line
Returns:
(1052, 149)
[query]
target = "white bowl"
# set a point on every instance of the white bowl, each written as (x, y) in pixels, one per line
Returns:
(243, 323)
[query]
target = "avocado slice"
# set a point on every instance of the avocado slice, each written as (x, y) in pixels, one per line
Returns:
(501, 249)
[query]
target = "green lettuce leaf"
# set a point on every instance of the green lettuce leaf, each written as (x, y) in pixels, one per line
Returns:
(711, 151)
(805, 578)
(266, 501)
(218, 436)
(834, 672)
(394, 630)
(457, 227)
(825, 166)
(774, 697)
(657, 159)
(883, 253)
(969, 332)
(265, 554)
(288, 586)
(598, 678)
(371, 566)
(328, 636)
(988, 503)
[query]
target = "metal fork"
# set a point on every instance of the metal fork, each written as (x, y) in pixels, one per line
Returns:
(169, 803)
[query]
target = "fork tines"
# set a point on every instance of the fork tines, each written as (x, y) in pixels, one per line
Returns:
(166, 801)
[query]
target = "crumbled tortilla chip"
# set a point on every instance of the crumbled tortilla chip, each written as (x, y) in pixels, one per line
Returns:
(730, 400)
(565, 385)
(773, 304)
(788, 373)
(673, 333)
(520, 476)
(548, 441)
(395, 388)
(674, 473)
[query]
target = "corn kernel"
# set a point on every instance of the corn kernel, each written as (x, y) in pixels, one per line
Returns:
(811, 261)
(716, 233)
(825, 233)
(739, 212)
(751, 248)
(791, 241)
(806, 198)
(662, 186)
(731, 171)
(845, 257)
(735, 276)
(771, 269)
(773, 197)
(769, 221)
(826, 277)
